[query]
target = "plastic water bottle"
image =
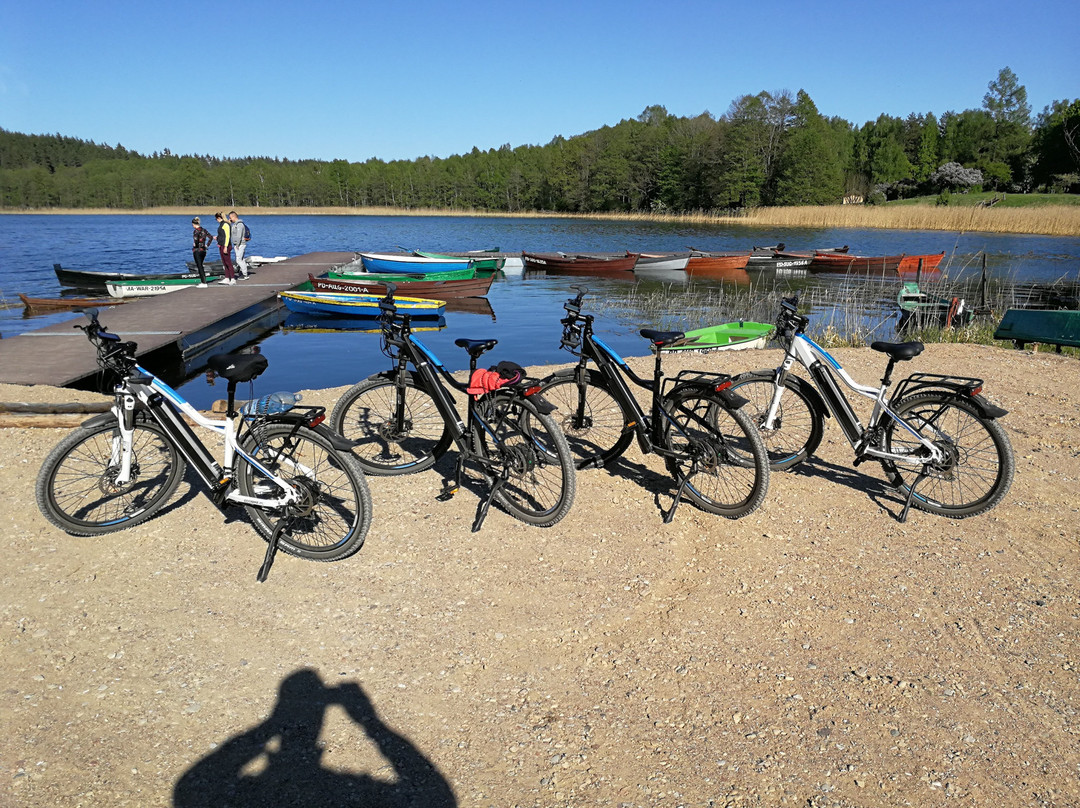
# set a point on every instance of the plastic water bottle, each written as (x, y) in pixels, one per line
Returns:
(271, 404)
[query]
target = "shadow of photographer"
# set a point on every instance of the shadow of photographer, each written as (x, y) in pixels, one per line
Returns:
(279, 761)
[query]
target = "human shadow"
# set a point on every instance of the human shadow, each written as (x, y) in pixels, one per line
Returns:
(278, 762)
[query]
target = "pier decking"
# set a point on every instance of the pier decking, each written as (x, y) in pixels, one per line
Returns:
(189, 320)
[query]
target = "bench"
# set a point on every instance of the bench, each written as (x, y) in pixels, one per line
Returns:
(1055, 328)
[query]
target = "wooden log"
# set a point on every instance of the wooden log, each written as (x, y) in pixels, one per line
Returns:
(44, 408)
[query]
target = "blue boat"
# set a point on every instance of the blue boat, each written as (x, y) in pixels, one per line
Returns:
(401, 262)
(345, 305)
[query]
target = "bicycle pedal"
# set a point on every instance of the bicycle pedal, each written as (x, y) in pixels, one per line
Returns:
(447, 494)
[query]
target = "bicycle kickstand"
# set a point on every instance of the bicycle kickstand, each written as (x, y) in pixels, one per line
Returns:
(481, 513)
(911, 493)
(669, 514)
(271, 549)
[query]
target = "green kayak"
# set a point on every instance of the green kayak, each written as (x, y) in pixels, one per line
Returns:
(404, 277)
(726, 337)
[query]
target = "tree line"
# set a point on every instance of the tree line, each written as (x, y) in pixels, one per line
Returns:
(766, 149)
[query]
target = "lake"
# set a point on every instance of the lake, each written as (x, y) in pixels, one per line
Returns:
(526, 310)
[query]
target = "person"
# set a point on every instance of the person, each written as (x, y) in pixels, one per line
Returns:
(239, 243)
(202, 239)
(224, 245)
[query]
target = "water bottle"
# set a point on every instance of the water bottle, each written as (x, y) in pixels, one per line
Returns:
(271, 404)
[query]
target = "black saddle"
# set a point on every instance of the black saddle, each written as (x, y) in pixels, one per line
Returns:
(661, 338)
(475, 347)
(898, 350)
(237, 367)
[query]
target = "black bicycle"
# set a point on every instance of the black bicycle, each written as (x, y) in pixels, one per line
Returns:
(402, 421)
(694, 422)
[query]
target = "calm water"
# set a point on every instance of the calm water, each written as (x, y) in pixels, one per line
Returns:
(527, 311)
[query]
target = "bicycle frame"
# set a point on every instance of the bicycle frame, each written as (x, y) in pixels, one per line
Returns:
(824, 368)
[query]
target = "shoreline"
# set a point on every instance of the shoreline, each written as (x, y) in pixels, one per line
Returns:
(1048, 220)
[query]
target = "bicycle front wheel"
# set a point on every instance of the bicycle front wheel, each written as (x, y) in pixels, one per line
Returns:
(798, 426)
(719, 450)
(331, 519)
(528, 459)
(979, 464)
(77, 488)
(398, 430)
(591, 417)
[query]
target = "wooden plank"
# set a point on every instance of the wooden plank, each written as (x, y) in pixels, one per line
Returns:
(154, 322)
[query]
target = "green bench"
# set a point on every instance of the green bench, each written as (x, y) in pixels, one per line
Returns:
(1055, 328)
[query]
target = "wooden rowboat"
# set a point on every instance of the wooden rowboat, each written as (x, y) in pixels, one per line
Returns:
(855, 264)
(440, 290)
(918, 309)
(357, 305)
(479, 263)
(557, 263)
(345, 274)
(149, 288)
(909, 264)
(719, 266)
(725, 337)
(56, 303)
(88, 279)
(404, 262)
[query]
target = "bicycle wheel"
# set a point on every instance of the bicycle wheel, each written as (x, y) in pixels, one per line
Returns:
(332, 517)
(798, 426)
(719, 449)
(531, 458)
(367, 413)
(979, 467)
(591, 418)
(77, 489)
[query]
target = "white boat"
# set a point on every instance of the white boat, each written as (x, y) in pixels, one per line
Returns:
(259, 260)
(149, 288)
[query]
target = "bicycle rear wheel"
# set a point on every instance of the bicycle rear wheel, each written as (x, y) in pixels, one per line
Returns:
(719, 449)
(979, 464)
(332, 517)
(77, 489)
(530, 456)
(798, 427)
(591, 417)
(386, 444)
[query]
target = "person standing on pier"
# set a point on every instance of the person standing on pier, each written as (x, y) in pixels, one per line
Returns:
(239, 242)
(198, 249)
(224, 237)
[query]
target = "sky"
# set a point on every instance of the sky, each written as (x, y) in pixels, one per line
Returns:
(401, 79)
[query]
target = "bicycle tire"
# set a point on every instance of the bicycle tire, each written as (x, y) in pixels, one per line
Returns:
(981, 466)
(533, 456)
(732, 476)
(366, 414)
(333, 517)
(74, 490)
(604, 434)
(799, 426)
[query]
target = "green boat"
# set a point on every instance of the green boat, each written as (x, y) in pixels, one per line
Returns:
(404, 277)
(725, 337)
(918, 309)
(479, 264)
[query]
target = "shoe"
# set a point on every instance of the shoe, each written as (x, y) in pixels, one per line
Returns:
(200, 286)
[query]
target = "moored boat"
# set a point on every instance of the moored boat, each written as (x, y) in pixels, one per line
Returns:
(718, 265)
(346, 273)
(480, 263)
(910, 264)
(439, 289)
(919, 309)
(855, 264)
(724, 337)
(661, 262)
(411, 264)
(357, 305)
(150, 287)
(55, 303)
(559, 262)
(92, 279)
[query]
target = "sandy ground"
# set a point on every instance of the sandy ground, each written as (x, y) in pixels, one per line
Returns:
(815, 653)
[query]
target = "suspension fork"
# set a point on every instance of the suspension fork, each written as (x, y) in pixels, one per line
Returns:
(120, 456)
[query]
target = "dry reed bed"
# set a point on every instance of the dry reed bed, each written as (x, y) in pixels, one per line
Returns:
(1049, 220)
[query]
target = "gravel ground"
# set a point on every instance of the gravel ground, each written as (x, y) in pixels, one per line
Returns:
(815, 653)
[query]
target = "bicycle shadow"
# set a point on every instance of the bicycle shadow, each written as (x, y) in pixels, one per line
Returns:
(880, 492)
(278, 762)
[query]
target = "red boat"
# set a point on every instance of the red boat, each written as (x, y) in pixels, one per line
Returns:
(562, 263)
(719, 266)
(930, 264)
(440, 290)
(855, 264)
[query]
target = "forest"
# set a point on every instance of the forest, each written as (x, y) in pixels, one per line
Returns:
(769, 149)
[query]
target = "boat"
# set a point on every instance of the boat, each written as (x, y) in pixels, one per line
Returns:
(345, 273)
(909, 264)
(718, 265)
(439, 289)
(90, 279)
(54, 303)
(919, 309)
(1048, 326)
(855, 264)
(661, 262)
(149, 287)
(738, 336)
(408, 263)
(479, 263)
(560, 262)
(357, 305)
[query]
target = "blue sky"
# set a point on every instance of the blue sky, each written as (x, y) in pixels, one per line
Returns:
(404, 79)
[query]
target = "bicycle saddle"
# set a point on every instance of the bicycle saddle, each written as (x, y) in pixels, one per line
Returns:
(661, 338)
(898, 350)
(475, 347)
(238, 367)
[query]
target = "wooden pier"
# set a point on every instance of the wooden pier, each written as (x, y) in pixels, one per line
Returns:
(188, 321)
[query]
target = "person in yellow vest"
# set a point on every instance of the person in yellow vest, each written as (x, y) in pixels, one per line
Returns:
(224, 245)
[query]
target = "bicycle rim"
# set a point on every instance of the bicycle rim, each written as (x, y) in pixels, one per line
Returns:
(595, 428)
(797, 429)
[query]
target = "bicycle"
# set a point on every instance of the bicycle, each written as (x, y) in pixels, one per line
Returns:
(297, 481)
(402, 421)
(934, 430)
(695, 422)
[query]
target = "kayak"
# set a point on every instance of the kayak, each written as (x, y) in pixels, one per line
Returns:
(725, 337)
